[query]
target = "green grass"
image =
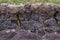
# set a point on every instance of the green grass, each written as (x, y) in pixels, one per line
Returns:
(29, 1)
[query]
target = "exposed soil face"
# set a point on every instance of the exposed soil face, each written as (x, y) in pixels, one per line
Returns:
(12, 34)
(40, 21)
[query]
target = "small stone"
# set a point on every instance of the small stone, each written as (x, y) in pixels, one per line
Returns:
(13, 30)
(25, 25)
(3, 8)
(50, 30)
(35, 17)
(35, 24)
(58, 30)
(41, 32)
(42, 18)
(34, 6)
(50, 22)
(8, 31)
(24, 17)
(52, 36)
(33, 30)
(12, 9)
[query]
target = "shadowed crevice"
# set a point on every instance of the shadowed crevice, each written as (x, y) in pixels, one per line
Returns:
(55, 16)
(19, 22)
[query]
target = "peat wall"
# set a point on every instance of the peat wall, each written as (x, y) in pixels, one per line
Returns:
(38, 18)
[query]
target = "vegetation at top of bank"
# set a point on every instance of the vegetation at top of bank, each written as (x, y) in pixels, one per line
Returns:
(29, 1)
